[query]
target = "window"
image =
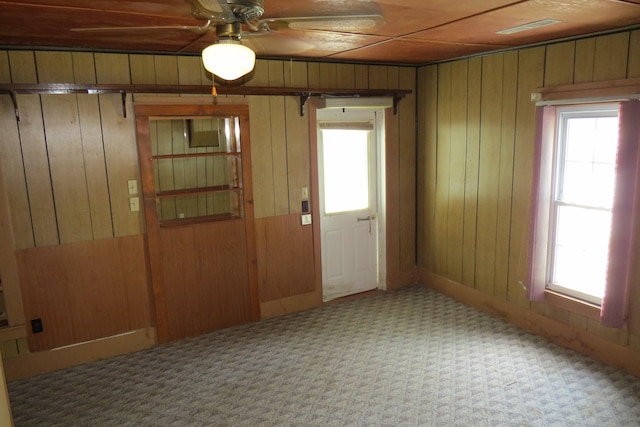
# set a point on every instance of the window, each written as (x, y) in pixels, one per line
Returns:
(345, 156)
(581, 200)
(585, 205)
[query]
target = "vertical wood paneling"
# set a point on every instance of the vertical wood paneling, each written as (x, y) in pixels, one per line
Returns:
(442, 166)
(499, 109)
(166, 67)
(559, 63)
(119, 143)
(584, 63)
(297, 134)
(378, 77)
(457, 163)
(84, 70)
(406, 78)
(36, 165)
(263, 174)
(427, 157)
(611, 55)
(191, 71)
(505, 180)
(143, 69)
(279, 140)
(11, 294)
(12, 166)
(489, 170)
(392, 201)
(328, 75)
(362, 76)
(313, 74)
(23, 67)
(67, 167)
(93, 150)
(64, 150)
(5, 69)
(346, 76)
(34, 157)
(530, 75)
(474, 86)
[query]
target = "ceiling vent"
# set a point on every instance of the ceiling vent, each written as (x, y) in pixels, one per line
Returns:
(529, 26)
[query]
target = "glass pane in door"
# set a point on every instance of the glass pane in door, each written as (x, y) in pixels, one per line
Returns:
(346, 170)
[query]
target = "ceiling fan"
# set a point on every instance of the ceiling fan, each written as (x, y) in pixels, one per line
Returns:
(228, 58)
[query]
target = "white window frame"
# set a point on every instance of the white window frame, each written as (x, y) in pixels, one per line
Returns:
(563, 114)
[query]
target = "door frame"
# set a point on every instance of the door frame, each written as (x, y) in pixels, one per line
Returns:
(382, 131)
(145, 112)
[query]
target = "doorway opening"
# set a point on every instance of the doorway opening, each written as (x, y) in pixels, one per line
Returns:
(351, 200)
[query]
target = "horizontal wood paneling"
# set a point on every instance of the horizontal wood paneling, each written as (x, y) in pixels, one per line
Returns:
(496, 140)
(85, 290)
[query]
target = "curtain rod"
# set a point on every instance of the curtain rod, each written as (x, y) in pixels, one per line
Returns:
(123, 89)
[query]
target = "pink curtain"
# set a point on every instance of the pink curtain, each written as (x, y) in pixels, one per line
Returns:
(615, 303)
(540, 201)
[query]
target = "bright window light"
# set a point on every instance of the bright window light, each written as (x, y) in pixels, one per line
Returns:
(346, 170)
(583, 195)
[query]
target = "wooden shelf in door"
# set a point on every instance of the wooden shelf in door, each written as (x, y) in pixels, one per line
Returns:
(186, 155)
(197, 191)
(197, 220)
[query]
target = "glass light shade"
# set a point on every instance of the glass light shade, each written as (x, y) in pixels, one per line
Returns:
(228, 59)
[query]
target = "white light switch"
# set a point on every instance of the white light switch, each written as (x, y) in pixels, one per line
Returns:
(305, 219)
(132, 184)
(134, 204)
(305, 193)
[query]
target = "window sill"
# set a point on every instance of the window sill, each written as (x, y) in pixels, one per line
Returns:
(574, 305)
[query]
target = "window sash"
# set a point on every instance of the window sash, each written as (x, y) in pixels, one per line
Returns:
(558, 278)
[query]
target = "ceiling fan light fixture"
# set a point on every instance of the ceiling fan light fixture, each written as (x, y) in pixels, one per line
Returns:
(228, 59)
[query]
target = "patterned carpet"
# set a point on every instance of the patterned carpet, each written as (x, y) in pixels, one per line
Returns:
(407, 358)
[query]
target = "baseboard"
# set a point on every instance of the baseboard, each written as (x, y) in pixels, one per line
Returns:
(289, 305)
(32, 364)
(560, 333)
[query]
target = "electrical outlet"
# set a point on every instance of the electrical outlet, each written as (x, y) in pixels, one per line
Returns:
(305, 219)
(36, 326)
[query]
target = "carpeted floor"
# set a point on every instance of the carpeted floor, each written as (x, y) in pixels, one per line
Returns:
(407, 358)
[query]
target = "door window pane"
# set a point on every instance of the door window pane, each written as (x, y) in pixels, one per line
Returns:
(346, 170)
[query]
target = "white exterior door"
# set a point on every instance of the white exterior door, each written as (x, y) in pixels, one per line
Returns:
(347, 156)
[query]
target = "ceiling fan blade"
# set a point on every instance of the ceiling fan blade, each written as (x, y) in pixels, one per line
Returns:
(196, 29)
(217, 10)
(339, 23)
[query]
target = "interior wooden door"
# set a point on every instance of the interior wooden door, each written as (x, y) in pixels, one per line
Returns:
(195, 164)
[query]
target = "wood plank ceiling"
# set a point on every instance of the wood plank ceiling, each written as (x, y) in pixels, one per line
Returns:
(411, 31)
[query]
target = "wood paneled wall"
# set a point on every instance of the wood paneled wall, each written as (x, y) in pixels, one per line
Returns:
(475, 164)
(85, 290)
(67, 162)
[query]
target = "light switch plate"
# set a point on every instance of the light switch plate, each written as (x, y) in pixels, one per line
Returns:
(134, 204)
(132, 185)
(305, 219)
